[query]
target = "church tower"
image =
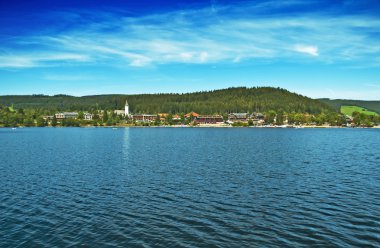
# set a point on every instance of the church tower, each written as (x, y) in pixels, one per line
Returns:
(126, 108)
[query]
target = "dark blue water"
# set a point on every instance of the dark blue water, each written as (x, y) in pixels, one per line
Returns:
(189, 187)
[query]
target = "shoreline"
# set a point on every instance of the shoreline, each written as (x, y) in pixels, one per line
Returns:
(207, 126)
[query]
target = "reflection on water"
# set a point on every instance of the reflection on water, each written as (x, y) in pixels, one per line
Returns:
(126, 142)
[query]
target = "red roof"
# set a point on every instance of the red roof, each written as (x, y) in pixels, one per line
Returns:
(191, 113)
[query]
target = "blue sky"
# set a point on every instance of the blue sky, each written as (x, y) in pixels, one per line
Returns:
(316, 48)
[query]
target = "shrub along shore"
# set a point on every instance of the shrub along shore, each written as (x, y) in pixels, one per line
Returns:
(10, 117)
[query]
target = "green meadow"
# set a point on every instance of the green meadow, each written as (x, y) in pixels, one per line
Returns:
(348, 110)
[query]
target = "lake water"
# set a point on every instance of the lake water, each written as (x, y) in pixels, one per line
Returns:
(189, 187)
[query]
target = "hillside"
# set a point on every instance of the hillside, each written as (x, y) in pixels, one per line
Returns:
(337, 104)
(240, 99)
(349, 110)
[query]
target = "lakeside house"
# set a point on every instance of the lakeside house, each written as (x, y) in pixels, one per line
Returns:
(87, 116)
(162, 116)
(242, 117)
(349, 119)
(176, 118)
(144, 117)
(192, 113)
(209, 119)
(66, 115)
(257, 116)
(119, 112)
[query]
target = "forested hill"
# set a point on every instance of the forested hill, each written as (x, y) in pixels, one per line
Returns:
(239, 99)
(336, 104)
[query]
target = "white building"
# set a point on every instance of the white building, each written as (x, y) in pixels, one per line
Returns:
(119, 112)
(126, 108)
(124, 112)
(87, 116)
(232, 117)
(66, 115)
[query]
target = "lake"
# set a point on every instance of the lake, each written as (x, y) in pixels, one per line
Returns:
(189, 187)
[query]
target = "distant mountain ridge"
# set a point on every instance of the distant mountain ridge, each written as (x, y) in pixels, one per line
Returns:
(238, 99)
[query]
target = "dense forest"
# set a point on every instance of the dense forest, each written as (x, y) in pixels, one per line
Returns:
(241, 99)
(336, 104)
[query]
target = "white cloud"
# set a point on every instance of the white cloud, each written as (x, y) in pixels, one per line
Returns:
(311, 50)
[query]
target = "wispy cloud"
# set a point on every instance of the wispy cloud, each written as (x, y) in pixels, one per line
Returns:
(36, 59)
(311, 50)
(16, 62)
(222, 34)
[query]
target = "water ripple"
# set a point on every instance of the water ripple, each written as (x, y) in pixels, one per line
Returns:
(189, 188)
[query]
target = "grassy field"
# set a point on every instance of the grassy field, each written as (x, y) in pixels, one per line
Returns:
(336, 104)
(348, 110)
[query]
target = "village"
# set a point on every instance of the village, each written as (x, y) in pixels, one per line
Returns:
(192, 118)
(125, 118)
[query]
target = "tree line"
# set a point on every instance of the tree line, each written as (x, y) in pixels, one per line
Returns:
(240, 99)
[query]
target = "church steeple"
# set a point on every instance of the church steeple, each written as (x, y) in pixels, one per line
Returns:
(126, 108)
